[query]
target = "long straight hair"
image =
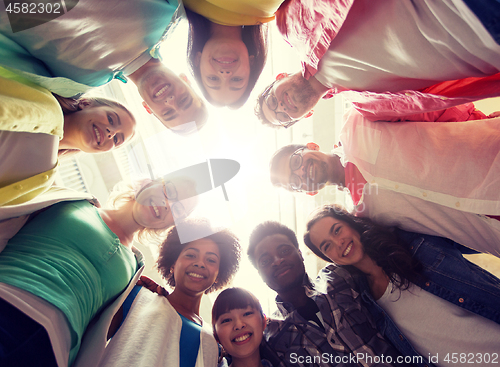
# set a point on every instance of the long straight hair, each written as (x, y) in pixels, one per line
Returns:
(254, 37)
(72, 105)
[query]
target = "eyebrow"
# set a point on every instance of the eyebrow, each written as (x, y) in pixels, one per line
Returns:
(198, 251)
(332, 228)
(173, 117)
(189, 103)
(215, 87)
(117, 118)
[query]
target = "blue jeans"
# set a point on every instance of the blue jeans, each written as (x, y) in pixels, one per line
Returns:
(488, 12)
(23, 341)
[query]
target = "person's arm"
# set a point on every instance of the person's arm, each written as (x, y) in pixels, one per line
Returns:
(9, 228)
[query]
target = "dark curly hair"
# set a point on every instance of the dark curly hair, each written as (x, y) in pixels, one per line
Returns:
(254, 37)
(380, 243)
(228, 243)
(265, 229)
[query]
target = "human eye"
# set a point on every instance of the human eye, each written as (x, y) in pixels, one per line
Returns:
(264, 261)
(225, 320)
(110, 119)
(236, 79)
(212, 260)
(213, 78)
(271, 102)
(248, 313)
(285, 250)
(337, 229)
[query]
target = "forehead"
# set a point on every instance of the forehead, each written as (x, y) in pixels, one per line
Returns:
(203, 245)
(270, 244)
(281, 172)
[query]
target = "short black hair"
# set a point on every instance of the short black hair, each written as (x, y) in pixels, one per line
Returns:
(285, 151)
(264, 230)
(229, 249)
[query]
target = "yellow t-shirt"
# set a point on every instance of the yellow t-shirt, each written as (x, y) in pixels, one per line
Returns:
(235, 12)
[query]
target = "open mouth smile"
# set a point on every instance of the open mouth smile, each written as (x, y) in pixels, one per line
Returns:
(163, 89)
(155, 209)
(347, 250)
(98, 135)
(242, 338)
(288, 101)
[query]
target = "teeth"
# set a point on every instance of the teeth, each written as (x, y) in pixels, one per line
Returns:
(161, 91)
(97, 135)
(242, 338)
(195, 275)
(155, 208)
(347, 250)
(311, 172)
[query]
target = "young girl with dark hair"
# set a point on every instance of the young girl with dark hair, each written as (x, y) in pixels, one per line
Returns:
(239, 322)
(425, 297)
(227, 47)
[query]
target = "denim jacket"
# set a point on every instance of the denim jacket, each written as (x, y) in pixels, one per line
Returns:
(447, 274)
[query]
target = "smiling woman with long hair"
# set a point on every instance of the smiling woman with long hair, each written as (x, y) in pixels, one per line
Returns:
(69, 260)
(227, 47)
(424, 296)
(37, 127)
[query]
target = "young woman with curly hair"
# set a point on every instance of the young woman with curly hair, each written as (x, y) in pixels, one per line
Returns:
(167, 330)
(425, 297)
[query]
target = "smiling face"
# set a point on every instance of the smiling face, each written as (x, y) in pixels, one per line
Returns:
(197, 267)
(240, 331)
(170, 98)
(338, 241)
(279, 262)
(225, 69)
(311, 174)
(96, 128)
(161, 203)
(292, 95)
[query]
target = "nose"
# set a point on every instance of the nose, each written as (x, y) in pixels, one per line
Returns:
(170, 100)
(110, 133)
(200, 264)
(239, 324)
(277, 261)
(225, 72)
(281, 107)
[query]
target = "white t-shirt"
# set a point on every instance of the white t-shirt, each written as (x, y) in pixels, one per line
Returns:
(436, 327)
(393, 45)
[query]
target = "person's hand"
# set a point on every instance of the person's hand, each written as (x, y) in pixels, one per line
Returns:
(152, 285)
(494, 114)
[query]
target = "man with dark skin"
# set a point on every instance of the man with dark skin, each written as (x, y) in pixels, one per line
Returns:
(322, 323)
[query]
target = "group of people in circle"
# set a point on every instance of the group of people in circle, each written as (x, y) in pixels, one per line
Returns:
(396, 284)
